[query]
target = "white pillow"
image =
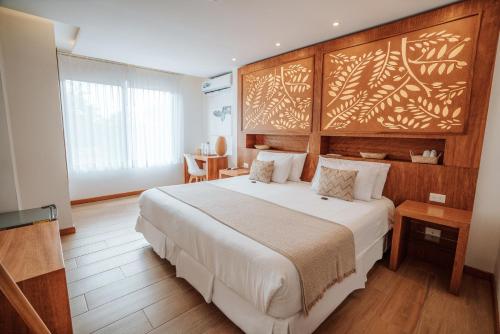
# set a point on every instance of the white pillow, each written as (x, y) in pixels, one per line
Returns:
(282, 165)
(298, 160)
(378, 188)
(297, 166)
(365, 180)
(383, 170)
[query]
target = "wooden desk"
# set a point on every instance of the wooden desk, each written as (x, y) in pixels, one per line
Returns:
(225, 173)
(33, 257)
(214, 163)
(459, 219)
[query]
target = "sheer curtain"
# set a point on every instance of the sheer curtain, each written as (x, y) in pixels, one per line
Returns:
(119, 117)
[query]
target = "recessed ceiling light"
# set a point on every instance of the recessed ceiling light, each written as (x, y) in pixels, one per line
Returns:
(278, 44)
(233, 59)
(336, 23)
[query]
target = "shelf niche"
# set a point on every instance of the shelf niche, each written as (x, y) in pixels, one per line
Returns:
(295, 143)
(397, 149)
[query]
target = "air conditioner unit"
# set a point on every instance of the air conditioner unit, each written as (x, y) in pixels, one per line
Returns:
(218, 83)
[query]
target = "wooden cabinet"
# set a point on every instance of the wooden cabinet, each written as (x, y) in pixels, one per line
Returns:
(453, 223)
(32, 255)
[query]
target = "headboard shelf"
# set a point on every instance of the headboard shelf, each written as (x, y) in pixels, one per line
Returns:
(296, 143)
(397, 149)
(388, 161)
(383, 135)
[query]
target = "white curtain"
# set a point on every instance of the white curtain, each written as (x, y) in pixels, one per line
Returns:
(118, 116)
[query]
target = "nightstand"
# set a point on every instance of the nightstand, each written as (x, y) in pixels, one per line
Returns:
(225, 173)
(439, 215)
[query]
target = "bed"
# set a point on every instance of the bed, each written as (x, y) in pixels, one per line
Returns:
(256, 287)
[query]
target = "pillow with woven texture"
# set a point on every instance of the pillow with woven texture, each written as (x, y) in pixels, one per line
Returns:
(261, 171)
(337, 183)
(365, 179)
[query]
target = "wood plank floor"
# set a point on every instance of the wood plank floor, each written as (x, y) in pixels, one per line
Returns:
(117, 284)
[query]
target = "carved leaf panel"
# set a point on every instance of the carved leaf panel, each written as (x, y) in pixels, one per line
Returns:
(279, 98)
(416, 82)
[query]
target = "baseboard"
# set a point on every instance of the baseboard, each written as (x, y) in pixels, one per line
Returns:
(479, 273)
(105, 197)
(67, 230)
(489, 277)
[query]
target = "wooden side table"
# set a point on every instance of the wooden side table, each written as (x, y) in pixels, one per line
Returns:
(455, 218)
(225, 173)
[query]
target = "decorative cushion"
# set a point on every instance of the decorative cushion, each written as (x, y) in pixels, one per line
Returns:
(365, 180)
(337, 183)
(261, 171)
(282, 164)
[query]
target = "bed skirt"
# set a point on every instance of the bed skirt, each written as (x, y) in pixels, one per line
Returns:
(240, 311)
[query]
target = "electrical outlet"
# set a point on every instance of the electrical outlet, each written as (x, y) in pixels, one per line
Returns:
(433, 232)
(432, 235)
(440, 198)
(245, 165)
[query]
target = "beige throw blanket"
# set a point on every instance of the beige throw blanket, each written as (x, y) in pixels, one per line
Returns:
(322, 251)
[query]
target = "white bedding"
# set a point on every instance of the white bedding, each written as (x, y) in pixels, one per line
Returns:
(259, 275)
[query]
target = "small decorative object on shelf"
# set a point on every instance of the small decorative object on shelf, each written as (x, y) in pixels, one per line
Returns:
(333, 155)
(220, 146)
(428, 157)
(262, 147)
(368, 155)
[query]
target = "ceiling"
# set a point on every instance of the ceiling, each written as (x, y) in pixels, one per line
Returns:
(201, 37)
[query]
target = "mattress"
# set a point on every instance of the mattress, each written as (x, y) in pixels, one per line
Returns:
(265, 279)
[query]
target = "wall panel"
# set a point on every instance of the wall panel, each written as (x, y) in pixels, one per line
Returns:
(473, 24)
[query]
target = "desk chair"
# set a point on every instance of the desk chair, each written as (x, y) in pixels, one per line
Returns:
(195, 172)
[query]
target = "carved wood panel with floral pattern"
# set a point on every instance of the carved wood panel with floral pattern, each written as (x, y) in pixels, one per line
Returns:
(279, 98)
(417, 82)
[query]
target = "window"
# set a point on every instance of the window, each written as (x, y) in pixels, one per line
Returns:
(118, 117)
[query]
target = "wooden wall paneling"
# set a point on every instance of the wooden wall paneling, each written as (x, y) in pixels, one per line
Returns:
(290, 57)
(418, 81)
(456, 178)
(465, 151)
(279, 98)
(315, 137)
(415, 181)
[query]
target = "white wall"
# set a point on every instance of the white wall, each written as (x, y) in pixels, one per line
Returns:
(195, 128)
(228, 128)
(8, 192)
(31, 94)
(484, 236)
(96, 184)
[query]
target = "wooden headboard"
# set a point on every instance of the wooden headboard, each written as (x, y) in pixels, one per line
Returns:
(422, 82)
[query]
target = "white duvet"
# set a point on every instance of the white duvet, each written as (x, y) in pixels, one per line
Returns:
(256, 273)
